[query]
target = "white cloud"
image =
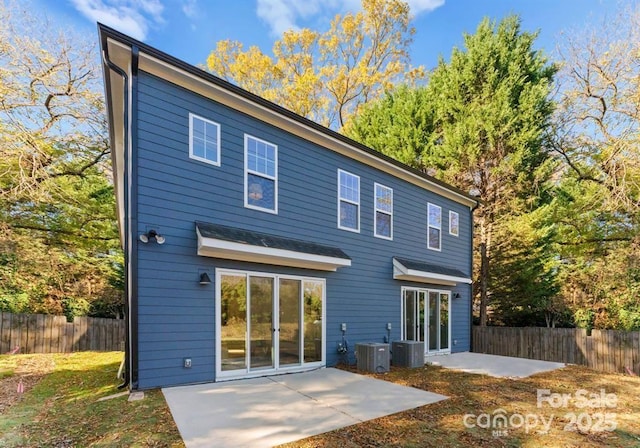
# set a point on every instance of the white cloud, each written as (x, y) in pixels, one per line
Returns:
(132, 17)
(419, 6)
(282, 15)
(190, 9)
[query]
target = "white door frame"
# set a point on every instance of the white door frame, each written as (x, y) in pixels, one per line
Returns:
(425, 322)
(276, 369)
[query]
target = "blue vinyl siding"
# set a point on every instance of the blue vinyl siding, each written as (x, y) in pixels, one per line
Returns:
(177, 314)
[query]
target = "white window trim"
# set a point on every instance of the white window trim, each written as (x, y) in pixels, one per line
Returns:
(191, 154)
(439, 248)
(255, 173)
(349, 229)
(377, 210)
(457, 233)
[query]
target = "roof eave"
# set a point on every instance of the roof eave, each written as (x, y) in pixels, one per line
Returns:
(401, 272)
(114, 87)
(208, 85)
(231, 250)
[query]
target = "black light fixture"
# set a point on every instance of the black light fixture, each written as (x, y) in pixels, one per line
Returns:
(152, 234)
(204, 279)
(456, 295)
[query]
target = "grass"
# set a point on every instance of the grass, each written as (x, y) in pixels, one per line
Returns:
(8, 366)
(442, 424)
(60, 409)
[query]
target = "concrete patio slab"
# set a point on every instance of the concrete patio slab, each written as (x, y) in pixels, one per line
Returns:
(263, 412)
(494, 365)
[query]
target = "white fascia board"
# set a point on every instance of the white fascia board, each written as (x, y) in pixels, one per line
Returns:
(212, 91)
(401, 272)
(120, 55)
(229, 250)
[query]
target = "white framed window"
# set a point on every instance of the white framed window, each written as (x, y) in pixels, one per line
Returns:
(383, 211)
(348, 201)
(434, 226)
(260, 174)
(454, 223)
(204, 140)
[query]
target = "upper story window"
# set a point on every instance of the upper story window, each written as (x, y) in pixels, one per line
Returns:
(348, 201)
(261, 174)
(384, 212)
(434, 226)
(204, 140)
(454, 223)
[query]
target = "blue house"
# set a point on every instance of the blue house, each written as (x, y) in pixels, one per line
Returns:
(258, 242)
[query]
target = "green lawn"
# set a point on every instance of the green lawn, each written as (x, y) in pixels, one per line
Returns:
(60, 409)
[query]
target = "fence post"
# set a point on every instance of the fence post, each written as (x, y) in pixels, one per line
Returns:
(5, 332)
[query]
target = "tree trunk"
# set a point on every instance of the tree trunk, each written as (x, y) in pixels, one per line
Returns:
(484, 277)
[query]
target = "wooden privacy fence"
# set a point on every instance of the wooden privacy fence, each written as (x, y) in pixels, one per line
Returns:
(605, 350)
(44, 333)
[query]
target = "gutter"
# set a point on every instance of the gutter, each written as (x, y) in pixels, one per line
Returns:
(131, 312)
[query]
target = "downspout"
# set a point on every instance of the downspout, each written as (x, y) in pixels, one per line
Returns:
(127, 238)
(133, 215)
(473, 209)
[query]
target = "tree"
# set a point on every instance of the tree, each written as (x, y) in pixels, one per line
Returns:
(524, 287)
(400, 125)
(597, 141)
(481, 125)
(57, 226)
(326, 76)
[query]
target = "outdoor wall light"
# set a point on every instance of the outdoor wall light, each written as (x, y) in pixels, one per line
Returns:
(152, 234)
(204, 279)
(456, 295)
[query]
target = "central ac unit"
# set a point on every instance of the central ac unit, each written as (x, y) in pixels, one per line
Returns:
(407, 353)
(373, 357)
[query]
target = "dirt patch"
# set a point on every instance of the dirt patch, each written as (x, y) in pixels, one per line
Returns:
(29, 370)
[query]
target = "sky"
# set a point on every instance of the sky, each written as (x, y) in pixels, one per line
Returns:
(189, 29)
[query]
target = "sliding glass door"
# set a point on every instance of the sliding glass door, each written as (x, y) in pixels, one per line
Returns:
(233, 322)
(261, 323)
(289, 304)
(268, 322)
(425, 317)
